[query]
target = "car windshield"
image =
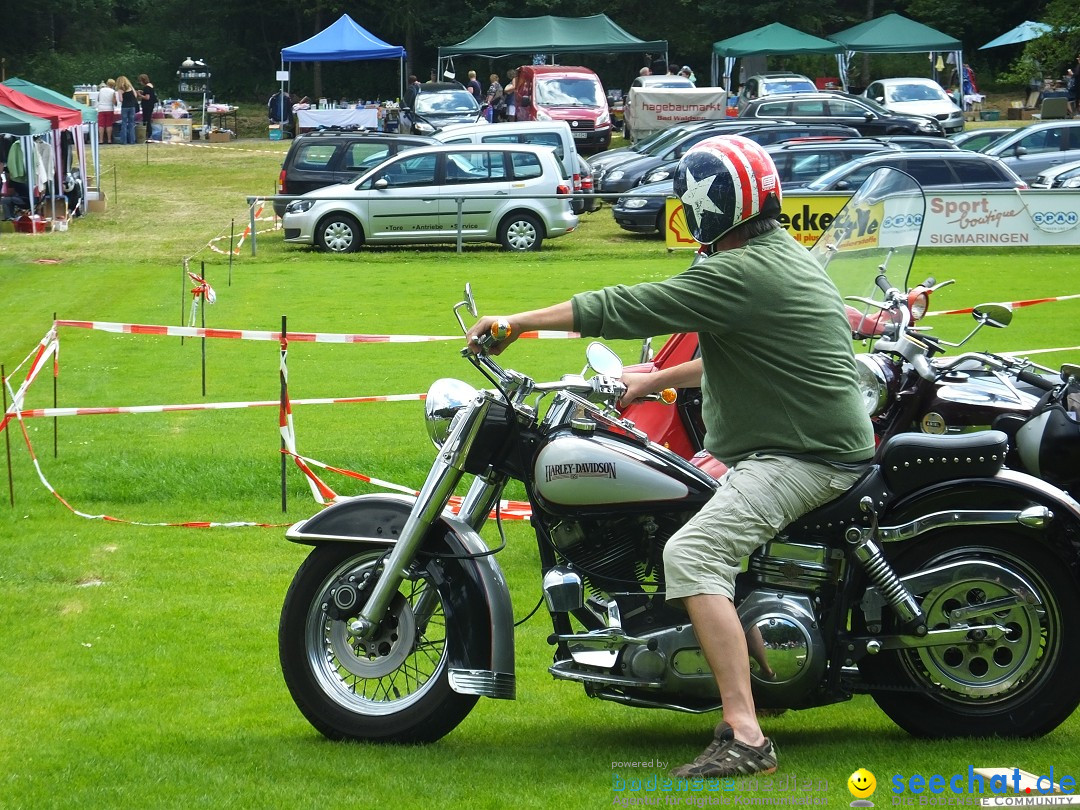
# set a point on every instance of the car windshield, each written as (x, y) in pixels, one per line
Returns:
(788, 86)
(915, 92)
(569, 91)
(450, 101)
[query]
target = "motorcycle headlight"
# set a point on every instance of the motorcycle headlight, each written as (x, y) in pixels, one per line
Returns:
(299, 206)
(444, 399)
(877, 381)
(918, 304)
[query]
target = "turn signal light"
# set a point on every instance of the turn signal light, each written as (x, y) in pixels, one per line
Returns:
(668, 396)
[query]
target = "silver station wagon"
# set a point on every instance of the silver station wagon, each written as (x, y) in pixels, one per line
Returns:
(497, 192)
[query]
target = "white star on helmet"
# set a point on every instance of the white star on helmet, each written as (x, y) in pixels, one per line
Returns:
(697, 196)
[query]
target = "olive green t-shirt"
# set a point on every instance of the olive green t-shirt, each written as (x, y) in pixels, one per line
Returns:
(779, 369)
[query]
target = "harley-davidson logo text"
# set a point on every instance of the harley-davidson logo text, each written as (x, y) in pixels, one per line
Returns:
(583, 469)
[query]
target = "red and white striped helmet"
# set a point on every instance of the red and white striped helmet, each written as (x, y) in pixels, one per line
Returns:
(723, 182)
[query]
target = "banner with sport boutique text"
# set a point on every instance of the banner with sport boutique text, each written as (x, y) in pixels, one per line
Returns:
(971, 218)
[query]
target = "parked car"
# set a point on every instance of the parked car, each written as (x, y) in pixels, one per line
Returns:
(764, 134)
(438, 104)
(609, 158)
(555, 134)
(976, 140)
(329, 156)
(918, 142)
(768, 84)
(797, 161)
(945, 169)
(915, 95)
(829, 107)
(1033, 149)
(563, 93)
(413, 197)
(1065, 175)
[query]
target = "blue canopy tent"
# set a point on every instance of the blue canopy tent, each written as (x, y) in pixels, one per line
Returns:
(1025, 31)
(344, 41)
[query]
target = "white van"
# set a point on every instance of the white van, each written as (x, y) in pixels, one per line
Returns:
(556, 134)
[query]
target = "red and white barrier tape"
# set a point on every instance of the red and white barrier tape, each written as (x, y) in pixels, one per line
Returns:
(1029, 302)
(201, 293)
(279, 154)
(296, 337)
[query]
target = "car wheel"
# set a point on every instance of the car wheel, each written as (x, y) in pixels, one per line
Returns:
(339, 233)
(521, 232)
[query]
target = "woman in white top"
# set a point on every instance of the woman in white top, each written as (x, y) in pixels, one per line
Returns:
(106, 115)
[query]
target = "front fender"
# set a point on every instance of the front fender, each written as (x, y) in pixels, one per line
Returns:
(1008, 489)
(475, 668)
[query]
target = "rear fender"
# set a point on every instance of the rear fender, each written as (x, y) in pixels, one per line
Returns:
(483, 660)
(1008, 489)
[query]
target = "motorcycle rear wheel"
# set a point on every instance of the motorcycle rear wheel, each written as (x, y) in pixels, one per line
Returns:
(1023, 685)
(393, 687)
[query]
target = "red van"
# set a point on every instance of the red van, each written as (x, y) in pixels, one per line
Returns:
(570, 94)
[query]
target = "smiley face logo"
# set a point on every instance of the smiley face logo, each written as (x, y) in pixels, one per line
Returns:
(862, 784)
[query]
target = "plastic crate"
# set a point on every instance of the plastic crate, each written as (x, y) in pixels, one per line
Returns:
(989, 115)
(275, 132)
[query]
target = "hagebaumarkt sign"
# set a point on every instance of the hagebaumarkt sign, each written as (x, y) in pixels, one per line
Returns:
(651, 109)
(953, 218)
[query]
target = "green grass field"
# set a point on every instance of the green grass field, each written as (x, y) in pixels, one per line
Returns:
(139, 664)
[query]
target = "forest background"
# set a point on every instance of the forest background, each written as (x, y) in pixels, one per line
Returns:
(62, 43)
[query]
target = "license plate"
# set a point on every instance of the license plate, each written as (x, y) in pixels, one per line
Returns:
(581, 135)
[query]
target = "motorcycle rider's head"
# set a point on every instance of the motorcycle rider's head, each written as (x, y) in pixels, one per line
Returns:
(727, 182)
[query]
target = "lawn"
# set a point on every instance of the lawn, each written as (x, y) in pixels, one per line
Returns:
(139, 663)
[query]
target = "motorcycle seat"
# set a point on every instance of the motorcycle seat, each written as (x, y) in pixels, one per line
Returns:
(909, 461)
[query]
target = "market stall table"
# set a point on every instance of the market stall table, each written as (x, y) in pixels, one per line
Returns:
(218, 116)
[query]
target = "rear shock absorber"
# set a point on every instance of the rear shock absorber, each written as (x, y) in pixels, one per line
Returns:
(872, 559)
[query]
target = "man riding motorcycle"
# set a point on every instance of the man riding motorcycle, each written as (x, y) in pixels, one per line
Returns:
(803, 449)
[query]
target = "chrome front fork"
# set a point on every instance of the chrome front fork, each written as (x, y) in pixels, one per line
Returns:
(441, 481)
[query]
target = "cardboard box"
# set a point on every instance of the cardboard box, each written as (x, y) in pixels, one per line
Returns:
(96, 201)
(220, 136)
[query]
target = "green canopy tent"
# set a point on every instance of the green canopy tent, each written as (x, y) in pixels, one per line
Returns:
(89, 119)
(18, 124)
(503, 36)
(769, 39)
(893, 33)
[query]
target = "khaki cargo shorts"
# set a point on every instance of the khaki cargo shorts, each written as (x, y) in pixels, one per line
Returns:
(756, 499)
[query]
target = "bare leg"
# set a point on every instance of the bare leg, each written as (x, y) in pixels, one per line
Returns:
(720, 634)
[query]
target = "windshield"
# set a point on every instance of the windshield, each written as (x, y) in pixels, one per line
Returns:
(876, 232)
(901, 93)
(787, 86)
(569, 91)
(451, 101)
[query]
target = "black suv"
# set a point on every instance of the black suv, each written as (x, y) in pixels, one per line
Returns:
(435, 105)
(866, 115)
(330, 156)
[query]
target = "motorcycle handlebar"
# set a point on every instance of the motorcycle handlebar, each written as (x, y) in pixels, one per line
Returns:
(1036, 380)
(882, 283)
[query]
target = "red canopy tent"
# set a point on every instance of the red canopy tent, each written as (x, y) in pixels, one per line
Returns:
(58, 117)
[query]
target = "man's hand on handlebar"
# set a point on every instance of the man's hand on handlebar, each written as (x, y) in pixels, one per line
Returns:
(492, 334)
(638, 385)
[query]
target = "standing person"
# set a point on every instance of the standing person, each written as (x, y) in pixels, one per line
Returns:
(473, 86)
(148, 98)
(687, 73)
(644, 72)
(279, 109)
(791, 426)
(106, 101)
(510, 93)
(128, 104)
(1074, 93)
(494, 98)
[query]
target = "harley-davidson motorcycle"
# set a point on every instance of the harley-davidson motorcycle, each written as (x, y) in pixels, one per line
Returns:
(941, 584)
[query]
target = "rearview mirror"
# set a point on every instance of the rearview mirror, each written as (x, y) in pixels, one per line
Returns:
(603, 360)
(381, 183)
(997, 315)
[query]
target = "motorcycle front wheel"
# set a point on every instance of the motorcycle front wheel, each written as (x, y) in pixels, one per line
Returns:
(392, 687)
(1023, 684)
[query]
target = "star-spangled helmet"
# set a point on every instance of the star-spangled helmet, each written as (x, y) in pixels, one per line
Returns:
(723, 182)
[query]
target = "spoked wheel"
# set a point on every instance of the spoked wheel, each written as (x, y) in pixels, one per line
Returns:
(392, 686)
(1019, 683)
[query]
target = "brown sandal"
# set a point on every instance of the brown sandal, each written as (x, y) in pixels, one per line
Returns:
(726, 756)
